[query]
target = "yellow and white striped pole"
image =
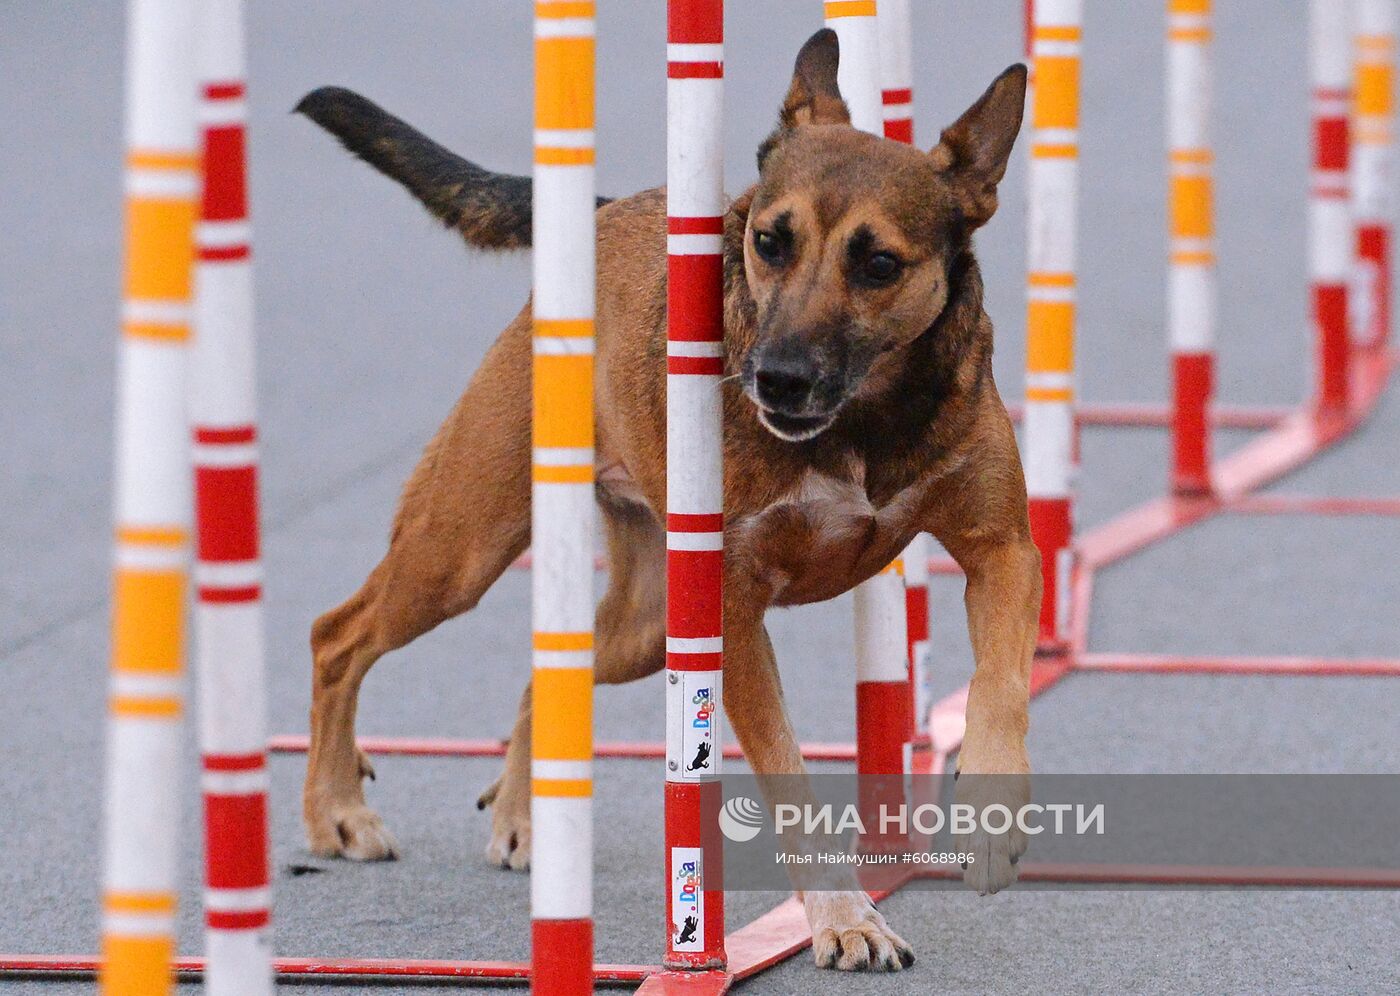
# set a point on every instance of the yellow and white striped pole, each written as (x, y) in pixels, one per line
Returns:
(1372, 167)
(561, 883)
(1054, 195)
(153, 503)
(858, 73)
(1191, 301)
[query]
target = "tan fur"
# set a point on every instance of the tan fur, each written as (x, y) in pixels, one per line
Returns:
(804, 521)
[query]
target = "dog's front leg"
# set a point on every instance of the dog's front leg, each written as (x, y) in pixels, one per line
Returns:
(979, 515)
(848, 932)
(1003, 605)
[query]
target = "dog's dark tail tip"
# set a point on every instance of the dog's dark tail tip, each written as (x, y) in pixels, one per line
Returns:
(490, 210)
(327, 102)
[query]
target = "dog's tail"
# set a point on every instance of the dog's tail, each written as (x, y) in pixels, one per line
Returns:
(490, 210)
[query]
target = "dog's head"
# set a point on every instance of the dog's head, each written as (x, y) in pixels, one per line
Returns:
(850, 237)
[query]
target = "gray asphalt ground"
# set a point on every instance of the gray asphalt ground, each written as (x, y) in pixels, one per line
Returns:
(370, 321)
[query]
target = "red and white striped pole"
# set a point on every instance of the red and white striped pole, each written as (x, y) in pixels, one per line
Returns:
(694, 479)
(895, 21)
(1051, 289)
(1191, 301)
(1331, 237)
(1373, 151)
(562, 501)
(142, 811)
(228, 574)
(884, 726)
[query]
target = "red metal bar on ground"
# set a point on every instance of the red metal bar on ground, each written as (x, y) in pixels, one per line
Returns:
(1203, 875)
(296, 743)
(1313, 505)
(86, 965)
(1130, 415)
(1190, 664)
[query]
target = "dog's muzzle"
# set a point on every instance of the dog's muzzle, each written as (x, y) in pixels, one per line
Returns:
(795, 401)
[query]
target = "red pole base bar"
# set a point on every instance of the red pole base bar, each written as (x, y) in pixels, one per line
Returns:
(1050, 528)
(883, 722)
(568, 971)
(695, 877)
(1333, 344)
(1373, 252)
(1193, 383)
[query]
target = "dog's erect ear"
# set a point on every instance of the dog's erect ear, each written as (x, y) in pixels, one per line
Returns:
(975, 149)
(814, 97)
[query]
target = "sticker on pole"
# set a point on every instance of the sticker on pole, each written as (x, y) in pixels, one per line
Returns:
(1064, 577)
(687, 899)
(923, 688)
(692, 732)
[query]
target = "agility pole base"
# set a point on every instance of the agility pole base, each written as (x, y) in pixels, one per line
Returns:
(1288, 441)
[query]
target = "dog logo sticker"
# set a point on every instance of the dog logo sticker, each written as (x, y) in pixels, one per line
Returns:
(702, 758)
(687, 899)
(692, 741)
(687, 933)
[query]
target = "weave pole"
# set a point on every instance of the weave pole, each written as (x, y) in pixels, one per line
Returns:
(562, 509)
(1192, 294)
(884, 724)
(1331, 238)
(895, 22)
(694, 480)
(1372, 135)
(228, 574)
(895, 25)
(1050, 318)
(858, 74)
(152, 504)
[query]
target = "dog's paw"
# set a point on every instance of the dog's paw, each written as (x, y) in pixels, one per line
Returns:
(992, 857)
(509, 846)
(849, 934)
(352, 831)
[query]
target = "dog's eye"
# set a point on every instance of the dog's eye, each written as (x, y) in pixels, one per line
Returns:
(880, 268)
(768, 246)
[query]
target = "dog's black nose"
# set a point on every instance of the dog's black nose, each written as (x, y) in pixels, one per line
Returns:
(784, 383)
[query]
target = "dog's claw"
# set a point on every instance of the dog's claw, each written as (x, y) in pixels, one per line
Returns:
(356, 833)
(509, 846)
(850, 935)
(366, 767)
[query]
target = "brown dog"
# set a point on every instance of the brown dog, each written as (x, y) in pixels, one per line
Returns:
(861, 410)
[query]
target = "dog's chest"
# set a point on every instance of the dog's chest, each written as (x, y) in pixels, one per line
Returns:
(811, 542)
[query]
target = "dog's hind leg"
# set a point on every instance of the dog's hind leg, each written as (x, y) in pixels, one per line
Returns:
(631, 644)
(464, 516)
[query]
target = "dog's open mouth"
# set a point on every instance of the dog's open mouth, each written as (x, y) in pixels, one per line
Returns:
(794, 428)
